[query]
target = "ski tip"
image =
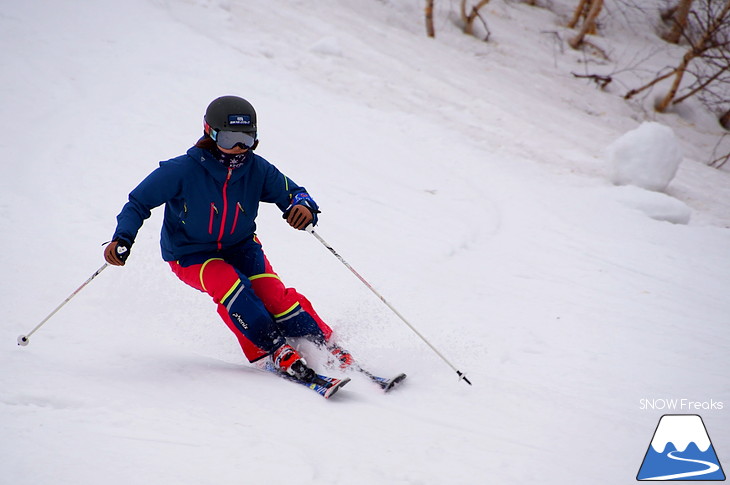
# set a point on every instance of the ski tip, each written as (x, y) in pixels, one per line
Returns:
(331, 391)
(394, 382)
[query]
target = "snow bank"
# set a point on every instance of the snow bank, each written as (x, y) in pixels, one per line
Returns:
(656, 205)
(647, 157)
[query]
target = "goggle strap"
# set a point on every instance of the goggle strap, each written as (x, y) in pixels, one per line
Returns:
(213, 134)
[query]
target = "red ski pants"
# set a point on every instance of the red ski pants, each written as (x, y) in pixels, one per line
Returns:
(251, 298)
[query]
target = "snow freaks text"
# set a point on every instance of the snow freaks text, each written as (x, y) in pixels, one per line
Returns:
(688, 405)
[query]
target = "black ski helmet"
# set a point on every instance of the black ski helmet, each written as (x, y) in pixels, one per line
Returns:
(230, 113)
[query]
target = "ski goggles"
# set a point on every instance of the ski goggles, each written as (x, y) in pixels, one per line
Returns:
(229, 139)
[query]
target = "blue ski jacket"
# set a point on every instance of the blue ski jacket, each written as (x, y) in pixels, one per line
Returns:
(208, 206)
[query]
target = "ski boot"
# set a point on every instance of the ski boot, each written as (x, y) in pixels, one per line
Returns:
(287, 360)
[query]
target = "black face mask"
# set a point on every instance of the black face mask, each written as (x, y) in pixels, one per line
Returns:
(230, 161)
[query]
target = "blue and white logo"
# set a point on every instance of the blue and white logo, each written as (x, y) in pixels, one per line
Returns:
(681, 450)
(239, 120)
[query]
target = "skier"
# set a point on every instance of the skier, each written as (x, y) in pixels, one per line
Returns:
(211, 196)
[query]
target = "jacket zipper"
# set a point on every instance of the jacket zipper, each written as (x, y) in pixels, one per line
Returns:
(213, 212)
(225, 209)
(235, 219)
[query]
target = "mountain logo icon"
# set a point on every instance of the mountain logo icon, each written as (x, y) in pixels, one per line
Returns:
(681, 450)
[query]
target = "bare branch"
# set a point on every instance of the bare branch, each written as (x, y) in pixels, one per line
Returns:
(699, 88)
(707, 32)
(602, 81)
(473, 15)
(634, 92)
(580, 11)
(679, 18)
(430, 31)
(589, 25)
(722, 160)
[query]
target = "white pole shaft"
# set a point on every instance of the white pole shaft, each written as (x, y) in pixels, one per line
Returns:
(23, 339)
(311, 230)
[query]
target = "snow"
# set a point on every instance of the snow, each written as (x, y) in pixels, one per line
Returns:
(656, 205)
(647, 157)
(327, 46)
(466, 181)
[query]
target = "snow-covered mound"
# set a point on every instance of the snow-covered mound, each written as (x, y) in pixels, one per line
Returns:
(656, 205)
(646, 157)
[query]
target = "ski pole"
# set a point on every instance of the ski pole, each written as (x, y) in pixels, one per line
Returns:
(310, 229)
(24, 339)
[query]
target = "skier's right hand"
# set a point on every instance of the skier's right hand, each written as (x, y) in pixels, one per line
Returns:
(117, 252)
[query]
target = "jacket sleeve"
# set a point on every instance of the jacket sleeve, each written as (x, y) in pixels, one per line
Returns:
(157, 188)
(278, 188)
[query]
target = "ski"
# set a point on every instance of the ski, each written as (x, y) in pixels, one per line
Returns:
(349, 363)
(384, 383)
(325, 386)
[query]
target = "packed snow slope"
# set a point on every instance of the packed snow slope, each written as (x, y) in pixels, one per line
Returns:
(465, 180)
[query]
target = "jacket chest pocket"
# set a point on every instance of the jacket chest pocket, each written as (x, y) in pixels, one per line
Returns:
(181, 209)
(215, 217)
(239, 210)
(213, 211)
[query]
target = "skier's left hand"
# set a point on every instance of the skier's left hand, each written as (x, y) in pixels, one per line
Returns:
(299, 217)
(302, 211)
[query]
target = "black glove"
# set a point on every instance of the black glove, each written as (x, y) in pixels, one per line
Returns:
(117, 252)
